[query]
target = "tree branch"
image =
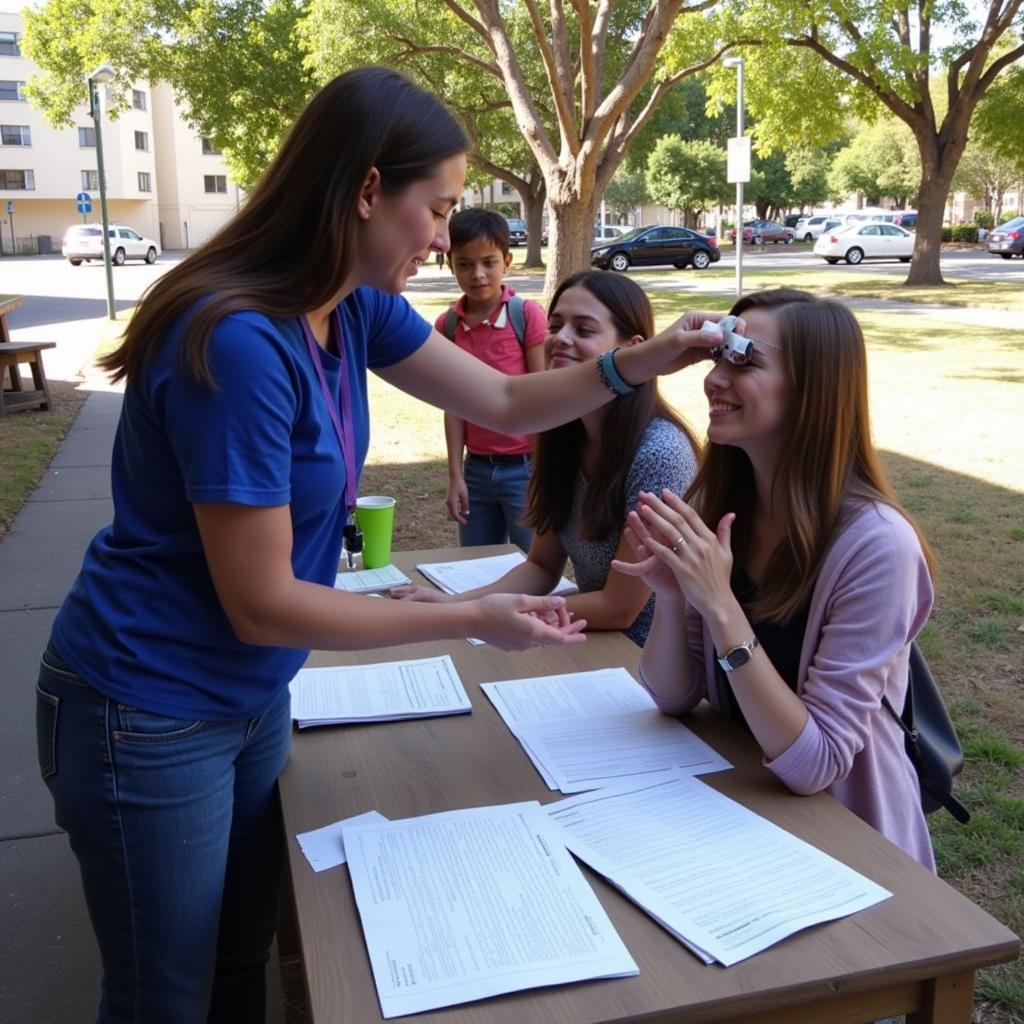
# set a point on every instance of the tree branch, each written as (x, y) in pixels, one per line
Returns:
(597, 41)
(460, 12)
(563, 102)
(412, 48)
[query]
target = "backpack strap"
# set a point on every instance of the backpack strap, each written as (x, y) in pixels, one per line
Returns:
(516, 307)
(451, 323)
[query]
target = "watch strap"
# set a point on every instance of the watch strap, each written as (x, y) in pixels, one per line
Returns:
(738, 656)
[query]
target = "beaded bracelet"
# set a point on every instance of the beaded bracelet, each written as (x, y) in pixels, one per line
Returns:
(610, 376)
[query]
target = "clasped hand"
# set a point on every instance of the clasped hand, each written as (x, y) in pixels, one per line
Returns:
(677, 555)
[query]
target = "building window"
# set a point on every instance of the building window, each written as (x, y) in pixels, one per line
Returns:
(9, 44)
(15, 135)
(142, 141)
(145, 182)
(11, 90)
(90, 181)
(506, 189)
(209, 149)
(138, 99)
(215, 183)
(87, 138)
(21, 180)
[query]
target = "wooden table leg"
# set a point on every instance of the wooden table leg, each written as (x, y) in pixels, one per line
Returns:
(947, 1000)
(5, 334)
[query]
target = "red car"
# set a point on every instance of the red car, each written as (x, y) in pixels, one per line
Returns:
(769, 230)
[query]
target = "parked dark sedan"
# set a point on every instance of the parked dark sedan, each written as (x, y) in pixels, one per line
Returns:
(516, 231)
(647, 247)
(1008, 239)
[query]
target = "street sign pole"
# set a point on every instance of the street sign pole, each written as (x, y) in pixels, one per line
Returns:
(739, 170)
(94, 107)
(10, 214)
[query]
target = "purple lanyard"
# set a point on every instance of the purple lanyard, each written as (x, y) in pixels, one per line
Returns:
(346, 438)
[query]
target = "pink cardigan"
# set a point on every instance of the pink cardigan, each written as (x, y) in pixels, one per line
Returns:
(872, 596)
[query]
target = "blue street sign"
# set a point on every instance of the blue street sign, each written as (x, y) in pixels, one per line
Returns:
(84, 202)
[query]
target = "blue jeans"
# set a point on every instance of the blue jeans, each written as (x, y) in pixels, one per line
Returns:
(497, 502)
(176, 827)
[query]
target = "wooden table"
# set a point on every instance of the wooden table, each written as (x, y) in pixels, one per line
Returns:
(8, 304)
(915, 953)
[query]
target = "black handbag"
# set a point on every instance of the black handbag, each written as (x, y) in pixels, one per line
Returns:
(930, 739)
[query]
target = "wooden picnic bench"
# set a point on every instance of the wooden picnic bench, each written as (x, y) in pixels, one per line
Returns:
(13, 393)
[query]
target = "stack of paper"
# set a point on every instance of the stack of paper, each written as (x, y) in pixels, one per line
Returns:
(458, 577)
(369, 581)
(463, 905)
(419, 688)
(586, 730)
(718, 877)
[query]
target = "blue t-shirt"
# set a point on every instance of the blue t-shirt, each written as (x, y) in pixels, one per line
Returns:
(142, 623)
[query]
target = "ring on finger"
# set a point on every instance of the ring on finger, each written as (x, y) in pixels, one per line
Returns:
(680, 541)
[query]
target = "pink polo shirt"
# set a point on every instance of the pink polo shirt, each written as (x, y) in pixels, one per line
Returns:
(494, 341)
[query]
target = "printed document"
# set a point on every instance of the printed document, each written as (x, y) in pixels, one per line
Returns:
(418, 688)
(467, 904)
(370, 581)
(458, 577)
(324, 848)
(587, 730)
(724, 880)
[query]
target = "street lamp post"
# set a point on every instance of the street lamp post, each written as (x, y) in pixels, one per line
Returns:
(739, 176)
(103, 74)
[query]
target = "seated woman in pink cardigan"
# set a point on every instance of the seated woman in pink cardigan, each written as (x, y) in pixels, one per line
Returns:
(790, 583)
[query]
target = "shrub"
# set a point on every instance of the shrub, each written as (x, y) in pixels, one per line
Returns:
(965, 233)
(947, 234)
(984, 219)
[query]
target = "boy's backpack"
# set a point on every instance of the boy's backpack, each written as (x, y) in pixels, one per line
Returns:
(930, 739)
(516, 317)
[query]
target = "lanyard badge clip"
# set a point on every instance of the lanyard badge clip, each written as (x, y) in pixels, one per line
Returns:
(352, 541)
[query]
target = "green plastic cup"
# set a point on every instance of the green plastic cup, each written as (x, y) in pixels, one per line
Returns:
(375, 517)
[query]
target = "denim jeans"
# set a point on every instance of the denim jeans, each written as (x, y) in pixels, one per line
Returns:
(497, 502)
(176, 827)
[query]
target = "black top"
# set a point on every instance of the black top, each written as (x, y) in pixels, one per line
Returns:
(782, 644)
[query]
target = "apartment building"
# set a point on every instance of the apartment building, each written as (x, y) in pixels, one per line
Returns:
(162, 178)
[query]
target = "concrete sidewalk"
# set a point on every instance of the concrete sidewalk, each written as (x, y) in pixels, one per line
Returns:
(49, 965)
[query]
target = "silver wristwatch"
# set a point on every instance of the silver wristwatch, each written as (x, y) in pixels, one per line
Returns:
(738, 656)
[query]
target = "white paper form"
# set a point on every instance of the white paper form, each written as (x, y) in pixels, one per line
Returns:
(324, 847)
(599, 751)
(470, 573)
(569, 695)
(417, 688)
(468, 904)
(369, 581)
(712, 872)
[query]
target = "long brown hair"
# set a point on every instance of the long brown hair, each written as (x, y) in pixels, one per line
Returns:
(557, 452)
(826, 458)
(291, 246)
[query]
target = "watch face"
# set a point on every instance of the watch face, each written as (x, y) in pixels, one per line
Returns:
(738, 657)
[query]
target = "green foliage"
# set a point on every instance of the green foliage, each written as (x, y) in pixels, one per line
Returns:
(984, 219)
(881, 160)
(626, 191)
(986, 172)
(964, 233)
(235, 65)
(687, 175)
(999, 120)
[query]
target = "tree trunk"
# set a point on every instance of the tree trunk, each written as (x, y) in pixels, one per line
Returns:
(533, 209)
(938, 165)
(570, 239)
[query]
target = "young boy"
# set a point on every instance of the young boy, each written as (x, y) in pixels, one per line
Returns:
(487, 492)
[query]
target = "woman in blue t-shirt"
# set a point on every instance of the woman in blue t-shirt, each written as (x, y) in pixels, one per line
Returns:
(163, 715)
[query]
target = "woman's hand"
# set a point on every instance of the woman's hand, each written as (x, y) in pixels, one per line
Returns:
(679, 346)
(647, 567)
(699, 560)
(517, 622)
(431, 595)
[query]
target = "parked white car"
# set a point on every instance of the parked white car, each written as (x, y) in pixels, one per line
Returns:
(609, 232)
(85, 242)
(858, 242)
(809, 228)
